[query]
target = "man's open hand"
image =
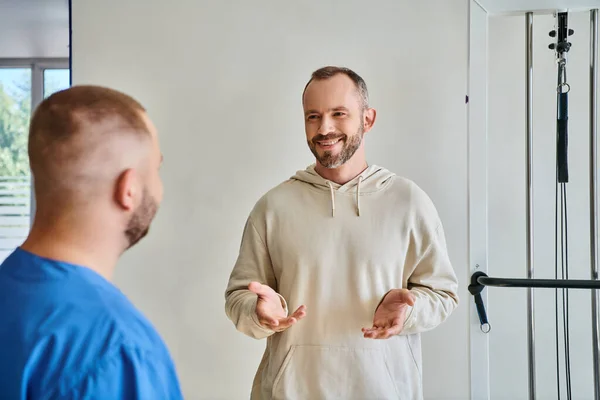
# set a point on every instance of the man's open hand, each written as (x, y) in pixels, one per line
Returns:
(390, 314)
(270, 311)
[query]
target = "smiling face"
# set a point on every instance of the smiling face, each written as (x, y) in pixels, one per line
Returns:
(336, 119)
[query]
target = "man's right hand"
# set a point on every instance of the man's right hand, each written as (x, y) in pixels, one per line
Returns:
(270, 311)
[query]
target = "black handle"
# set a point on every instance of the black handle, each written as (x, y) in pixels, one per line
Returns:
(479, 280)
(475, 288)
(561, 138)
(485, 325)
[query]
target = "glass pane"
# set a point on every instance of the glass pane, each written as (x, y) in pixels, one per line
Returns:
(55, 80)
(15, 188)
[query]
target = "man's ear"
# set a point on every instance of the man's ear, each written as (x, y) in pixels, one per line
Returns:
(126, 190)
(369, 119)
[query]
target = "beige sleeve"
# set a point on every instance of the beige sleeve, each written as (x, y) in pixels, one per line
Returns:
(253, 264)
(435, 286)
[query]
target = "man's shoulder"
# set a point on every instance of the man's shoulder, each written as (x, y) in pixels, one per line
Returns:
(112, 343)
(97, 305)
(128, 365)
(414, 198)
(118, 318)
(282, 188)
(72, 326)
(103, 322)
(402, 185)
(277, 196)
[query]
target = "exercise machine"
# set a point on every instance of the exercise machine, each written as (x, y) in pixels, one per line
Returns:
(560, 43)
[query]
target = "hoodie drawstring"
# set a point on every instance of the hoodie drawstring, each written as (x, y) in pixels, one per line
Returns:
(360, 178)
(332, 199)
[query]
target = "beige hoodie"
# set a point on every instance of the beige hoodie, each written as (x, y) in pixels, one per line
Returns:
(339, 249)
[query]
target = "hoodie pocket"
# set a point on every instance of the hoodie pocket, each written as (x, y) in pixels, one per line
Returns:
(325, 372)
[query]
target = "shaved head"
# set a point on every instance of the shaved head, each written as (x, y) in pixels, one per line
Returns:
(92, 148)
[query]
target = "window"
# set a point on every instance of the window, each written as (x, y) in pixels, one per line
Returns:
(22, 87)
(55, 79)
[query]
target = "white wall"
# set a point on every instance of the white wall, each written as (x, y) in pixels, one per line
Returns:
(507, 257)
(222, 81)
(34, 29)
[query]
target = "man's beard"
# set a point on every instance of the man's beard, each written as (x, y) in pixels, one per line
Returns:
(330, 160)
(140, 221)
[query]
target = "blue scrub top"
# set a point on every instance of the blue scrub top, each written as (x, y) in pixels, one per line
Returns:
(68, 333)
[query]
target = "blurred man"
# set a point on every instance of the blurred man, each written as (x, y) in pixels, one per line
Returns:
(355, 252)
(66, 331)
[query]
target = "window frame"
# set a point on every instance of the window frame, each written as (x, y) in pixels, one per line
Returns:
(37, 66)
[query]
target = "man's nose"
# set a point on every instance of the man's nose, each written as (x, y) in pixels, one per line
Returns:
(326, 126)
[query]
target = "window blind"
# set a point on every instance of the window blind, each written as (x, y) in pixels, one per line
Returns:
(15, 210)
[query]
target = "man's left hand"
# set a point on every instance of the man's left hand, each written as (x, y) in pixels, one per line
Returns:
(390, 314)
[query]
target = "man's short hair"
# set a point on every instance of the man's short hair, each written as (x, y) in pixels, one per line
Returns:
(70, 125)
(331, 71)
(64, 116)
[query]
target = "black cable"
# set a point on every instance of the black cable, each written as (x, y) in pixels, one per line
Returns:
(561, 48)
(564, 266)
(567, 290)
(556, 290)
(565, 273)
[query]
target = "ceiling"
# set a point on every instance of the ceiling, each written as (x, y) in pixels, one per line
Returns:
(538, 6)
(40, 28)
(34, 28)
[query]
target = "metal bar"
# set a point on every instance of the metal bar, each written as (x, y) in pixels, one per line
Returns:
(70, 43)
(37, 86)
(539, 283)
(477, 186)
(29, 62)
(594, 195)
(529, 223)
(37, 96)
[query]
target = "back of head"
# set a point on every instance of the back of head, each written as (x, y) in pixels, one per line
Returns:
(73, 125)
(82, 142)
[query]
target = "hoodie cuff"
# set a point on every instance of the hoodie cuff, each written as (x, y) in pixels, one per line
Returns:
(410, 317)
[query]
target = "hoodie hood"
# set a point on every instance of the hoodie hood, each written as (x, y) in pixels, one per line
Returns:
(373, 179)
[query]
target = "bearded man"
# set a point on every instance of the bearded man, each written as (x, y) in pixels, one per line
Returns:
(342, 266)
(66, 331)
